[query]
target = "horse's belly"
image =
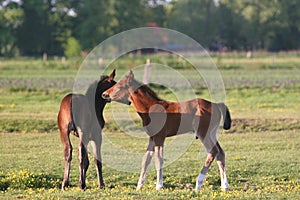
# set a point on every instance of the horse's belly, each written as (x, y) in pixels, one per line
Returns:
(170, 124)
(180, 124)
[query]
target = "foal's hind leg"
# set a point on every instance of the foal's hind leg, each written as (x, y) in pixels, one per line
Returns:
(96, 145)
(221, 162)
(83, 158)
(209, 141)
(210, 158)
(65, 139)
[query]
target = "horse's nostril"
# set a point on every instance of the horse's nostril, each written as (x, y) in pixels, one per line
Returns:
(105, 95)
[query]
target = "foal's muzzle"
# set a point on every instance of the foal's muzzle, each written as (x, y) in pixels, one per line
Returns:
(106, 97)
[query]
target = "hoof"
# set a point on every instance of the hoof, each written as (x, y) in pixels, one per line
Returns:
(139, 187)
(159, 186)
(82, 186)
(224, 188)
(64, 185)
(224, 185)
(197, 188)
(110, 186)
(198, 185)
(101, 186)
(200, 181)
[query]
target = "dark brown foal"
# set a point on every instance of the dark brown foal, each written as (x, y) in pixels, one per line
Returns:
(82, 116)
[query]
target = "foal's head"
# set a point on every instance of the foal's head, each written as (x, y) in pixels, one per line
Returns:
(106, 82)
(98, 87)
(120, 91)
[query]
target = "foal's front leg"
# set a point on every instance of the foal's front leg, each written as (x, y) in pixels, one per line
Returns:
(96, 144)
(158, 155)
(145, 163)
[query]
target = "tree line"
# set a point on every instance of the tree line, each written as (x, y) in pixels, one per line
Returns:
(67, 27)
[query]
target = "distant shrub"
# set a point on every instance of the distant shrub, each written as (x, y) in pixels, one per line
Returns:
(72, 48)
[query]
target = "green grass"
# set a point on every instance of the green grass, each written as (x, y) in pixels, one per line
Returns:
(264, 102)
(263, 96)
(24, 103)
(259, 165)
(257, 102)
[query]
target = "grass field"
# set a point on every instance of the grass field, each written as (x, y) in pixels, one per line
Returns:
(262, 147)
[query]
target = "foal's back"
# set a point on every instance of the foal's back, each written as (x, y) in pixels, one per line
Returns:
(173, 118)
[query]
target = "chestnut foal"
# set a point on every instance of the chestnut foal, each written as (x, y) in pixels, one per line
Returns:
(163, 119)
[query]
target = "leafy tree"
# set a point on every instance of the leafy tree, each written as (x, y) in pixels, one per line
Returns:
(128, 15)
(46, 27)
(94, 22)
(283, 31)
(11, 17)
(196, 18)
(34, 27)
(98, 19)
(155, 12)
(34, 34)
(60, 17)
(264, 24)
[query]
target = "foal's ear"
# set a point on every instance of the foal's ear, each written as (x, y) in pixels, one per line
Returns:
(112, 75)
(130, 76)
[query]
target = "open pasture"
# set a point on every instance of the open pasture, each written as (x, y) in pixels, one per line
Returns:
(262, 94)
(260, 165)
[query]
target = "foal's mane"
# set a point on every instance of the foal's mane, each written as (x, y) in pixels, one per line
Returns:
(145, 89)
(92, 89)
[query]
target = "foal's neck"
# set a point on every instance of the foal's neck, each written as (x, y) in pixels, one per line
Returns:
(143, 99)
(99, 106)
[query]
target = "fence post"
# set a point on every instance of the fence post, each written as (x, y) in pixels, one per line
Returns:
(45, 57)
(147, 70)
(63, 60)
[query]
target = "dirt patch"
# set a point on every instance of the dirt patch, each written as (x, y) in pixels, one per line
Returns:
(260, 125)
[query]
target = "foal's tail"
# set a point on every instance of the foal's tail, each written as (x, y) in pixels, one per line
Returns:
(226, 116)
(71, 125)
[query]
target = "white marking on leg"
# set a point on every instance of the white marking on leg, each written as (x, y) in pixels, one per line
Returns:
(222, 168)
(159, 166)
(224, 183)
(200, 181)
(145, 163)
(201, 177)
